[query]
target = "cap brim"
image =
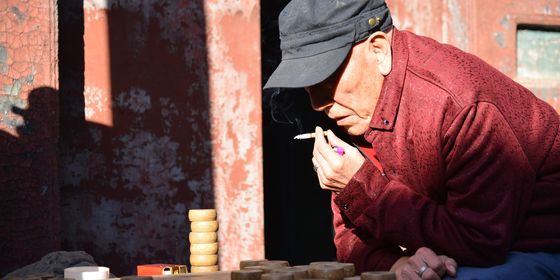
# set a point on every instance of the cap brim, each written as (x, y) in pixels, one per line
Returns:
(307, 71)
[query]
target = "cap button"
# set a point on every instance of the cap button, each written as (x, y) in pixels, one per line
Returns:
(372, 22)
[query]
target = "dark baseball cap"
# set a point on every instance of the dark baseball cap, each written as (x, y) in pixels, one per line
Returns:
(317, 35)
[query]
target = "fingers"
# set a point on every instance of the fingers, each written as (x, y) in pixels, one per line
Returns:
(425, 264)
(323, 150)
(410, 272)
(333, 169)
(326, 159)
(324, 182)
(420, 269)
(432, 260)
(450, 265)
(335, 141)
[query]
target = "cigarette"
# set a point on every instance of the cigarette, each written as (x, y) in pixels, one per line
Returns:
(307, 135)
(336, 149)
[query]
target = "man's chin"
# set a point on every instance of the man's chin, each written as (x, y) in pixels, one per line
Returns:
(354, 131)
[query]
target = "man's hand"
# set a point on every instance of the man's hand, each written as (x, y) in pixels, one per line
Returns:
(333, 170)
(424, 264)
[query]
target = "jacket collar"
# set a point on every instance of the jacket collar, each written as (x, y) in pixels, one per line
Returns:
(385, 113)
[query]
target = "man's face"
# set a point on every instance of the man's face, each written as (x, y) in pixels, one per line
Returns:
(349, 95)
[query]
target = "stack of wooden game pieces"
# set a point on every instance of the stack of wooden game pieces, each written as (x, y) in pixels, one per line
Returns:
(281, 270)
(203, 240)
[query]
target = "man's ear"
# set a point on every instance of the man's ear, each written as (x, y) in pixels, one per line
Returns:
(379, 44)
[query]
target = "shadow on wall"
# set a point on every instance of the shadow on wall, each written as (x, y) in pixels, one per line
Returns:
(125, 188)
(298, 216)
(29, 194)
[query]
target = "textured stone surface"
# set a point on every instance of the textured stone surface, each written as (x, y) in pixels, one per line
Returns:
(53, 265)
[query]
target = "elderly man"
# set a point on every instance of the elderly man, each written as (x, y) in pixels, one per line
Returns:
(452, 163)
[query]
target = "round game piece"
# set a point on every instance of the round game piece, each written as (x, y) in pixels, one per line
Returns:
(203, 260)
(327, 271)
(204, 248)
(246, 274)
(378, 275)
(300, 271)
(204, 226)
(244, 263)
(204, 268)
(349, 269)
(275, 263)
(312, 264)
(203, 237)
(278, 276)
(196, 215)
(263, 268)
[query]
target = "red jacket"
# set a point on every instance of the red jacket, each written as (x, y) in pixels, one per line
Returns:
(471, 162)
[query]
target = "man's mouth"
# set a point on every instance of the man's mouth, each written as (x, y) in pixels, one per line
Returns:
(341, 121)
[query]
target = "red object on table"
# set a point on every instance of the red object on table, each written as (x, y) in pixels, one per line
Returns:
(160, 269)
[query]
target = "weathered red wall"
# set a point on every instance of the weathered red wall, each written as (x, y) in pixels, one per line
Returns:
(487, 29)
(171, 121)
(29, 194)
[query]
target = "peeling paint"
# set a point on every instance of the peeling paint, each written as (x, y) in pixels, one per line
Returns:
(235, 106)
(499, 37)
(95, 100)
(78, 167)
(202, 193)
(28, 182)
(458, 24)
(7, 118)
(168, 110)
(161, 155)
(144, 159)
(15, 88)
(95, 4)
(19, 14)
(169, 15)
(3, 60)
(407, 20)
(109, 222)
(505, 22)
(135, 99)
(96, 134)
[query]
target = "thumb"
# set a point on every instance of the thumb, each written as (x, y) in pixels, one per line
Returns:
(335, 141)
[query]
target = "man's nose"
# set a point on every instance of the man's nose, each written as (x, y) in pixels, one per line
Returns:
(320, 108)
(321, 104)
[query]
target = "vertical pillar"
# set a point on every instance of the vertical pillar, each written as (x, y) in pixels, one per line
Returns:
(233, 42)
